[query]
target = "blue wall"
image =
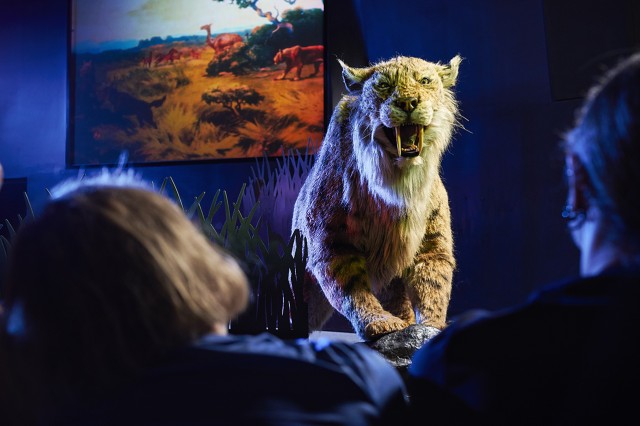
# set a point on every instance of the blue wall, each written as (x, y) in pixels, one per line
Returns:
(503, 172)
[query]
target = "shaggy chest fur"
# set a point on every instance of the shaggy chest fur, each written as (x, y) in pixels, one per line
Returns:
(389, 236)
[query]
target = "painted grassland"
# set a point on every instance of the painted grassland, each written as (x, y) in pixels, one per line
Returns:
(180, 124)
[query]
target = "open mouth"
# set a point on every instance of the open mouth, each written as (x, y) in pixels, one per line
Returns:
(408, 139)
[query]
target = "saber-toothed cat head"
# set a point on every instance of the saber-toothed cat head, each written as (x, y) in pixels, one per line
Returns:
(406, 104)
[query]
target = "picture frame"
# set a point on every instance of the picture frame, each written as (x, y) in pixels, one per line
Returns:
(171, 81)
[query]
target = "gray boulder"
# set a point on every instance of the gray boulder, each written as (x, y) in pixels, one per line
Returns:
(398, 347)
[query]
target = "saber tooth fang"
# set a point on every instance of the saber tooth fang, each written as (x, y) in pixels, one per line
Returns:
(398, 141)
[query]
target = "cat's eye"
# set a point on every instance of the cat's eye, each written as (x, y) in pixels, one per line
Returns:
(425, 80)
(382, 85)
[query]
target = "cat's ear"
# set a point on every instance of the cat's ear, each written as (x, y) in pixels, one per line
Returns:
(354, 77)
(449, 73)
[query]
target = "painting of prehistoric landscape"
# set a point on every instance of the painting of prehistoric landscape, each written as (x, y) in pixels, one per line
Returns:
(188, 80)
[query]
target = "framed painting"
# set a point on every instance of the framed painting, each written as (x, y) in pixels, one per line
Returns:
(188, 80)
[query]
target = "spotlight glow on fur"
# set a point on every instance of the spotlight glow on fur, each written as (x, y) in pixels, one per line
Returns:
(374, 209)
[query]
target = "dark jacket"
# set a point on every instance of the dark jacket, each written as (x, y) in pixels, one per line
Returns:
(256, 380)
(562, 356)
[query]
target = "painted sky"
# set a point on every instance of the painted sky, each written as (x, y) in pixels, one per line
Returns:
(99, 21)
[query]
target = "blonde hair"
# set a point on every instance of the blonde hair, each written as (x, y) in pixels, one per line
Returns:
(110, 277)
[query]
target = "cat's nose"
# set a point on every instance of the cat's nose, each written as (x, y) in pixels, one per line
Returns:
(407, 104)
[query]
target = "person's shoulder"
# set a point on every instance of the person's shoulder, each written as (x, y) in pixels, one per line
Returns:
(593, 291)
(354, 355)
(470, 323)
(343, 368)
(473, 322)
(324, 353)
(477, 337)
(369, 370)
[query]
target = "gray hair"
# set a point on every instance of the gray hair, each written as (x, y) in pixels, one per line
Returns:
(606, 140)
(105, 178)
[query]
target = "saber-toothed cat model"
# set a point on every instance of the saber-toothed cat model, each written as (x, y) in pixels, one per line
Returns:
(374, 209)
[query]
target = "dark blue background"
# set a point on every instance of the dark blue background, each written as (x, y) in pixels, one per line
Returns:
(504, 173)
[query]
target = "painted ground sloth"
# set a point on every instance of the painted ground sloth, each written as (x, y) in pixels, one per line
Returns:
(374, 209)
(297, 57)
